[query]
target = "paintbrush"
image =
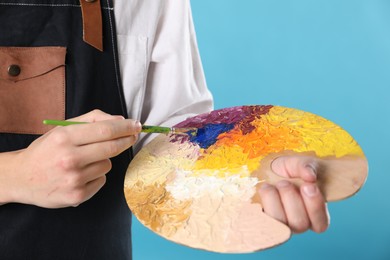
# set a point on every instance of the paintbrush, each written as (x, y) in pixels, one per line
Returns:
(145, 128)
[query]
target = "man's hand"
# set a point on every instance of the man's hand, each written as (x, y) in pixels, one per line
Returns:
(301, 208)
(68, 165)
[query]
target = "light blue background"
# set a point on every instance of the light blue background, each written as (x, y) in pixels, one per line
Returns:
(328, 57)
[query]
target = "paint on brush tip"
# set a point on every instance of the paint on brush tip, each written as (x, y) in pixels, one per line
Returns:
(190, 131)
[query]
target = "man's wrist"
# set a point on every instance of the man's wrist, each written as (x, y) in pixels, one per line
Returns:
(7, 176)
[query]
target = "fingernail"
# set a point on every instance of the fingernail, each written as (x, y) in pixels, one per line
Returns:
(313, 168)
(310, 190)
(327, 214)
(138, 126)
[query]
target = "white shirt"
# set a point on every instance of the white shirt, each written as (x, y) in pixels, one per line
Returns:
(160, 65)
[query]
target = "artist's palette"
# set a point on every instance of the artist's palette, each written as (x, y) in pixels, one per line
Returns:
(200, 190)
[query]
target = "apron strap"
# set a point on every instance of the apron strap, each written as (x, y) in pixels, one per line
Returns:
(92, 23)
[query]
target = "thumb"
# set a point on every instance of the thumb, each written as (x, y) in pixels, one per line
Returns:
(296, 166)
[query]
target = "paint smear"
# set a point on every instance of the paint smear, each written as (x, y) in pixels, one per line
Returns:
(208, 134)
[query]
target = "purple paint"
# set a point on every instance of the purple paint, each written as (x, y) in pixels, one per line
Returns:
(211, 125)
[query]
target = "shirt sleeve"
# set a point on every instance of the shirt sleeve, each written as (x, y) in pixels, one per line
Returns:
(175, 85)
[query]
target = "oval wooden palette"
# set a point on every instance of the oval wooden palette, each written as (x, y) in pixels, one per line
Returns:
(200, 191)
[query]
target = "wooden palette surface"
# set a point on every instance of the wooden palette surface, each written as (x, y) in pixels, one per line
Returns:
(201, 191)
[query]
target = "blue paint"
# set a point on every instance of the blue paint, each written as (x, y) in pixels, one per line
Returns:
(207, 135)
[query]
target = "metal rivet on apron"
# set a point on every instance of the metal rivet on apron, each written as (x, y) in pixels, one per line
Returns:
(14, 70)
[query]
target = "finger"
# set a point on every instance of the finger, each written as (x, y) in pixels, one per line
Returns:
(103, 131)
(315, 207)
(95, 116)
(296, 166)
(96, 152)
(94, 186)
(297, 218)
(271, 202)
(96, 170)
(85, 192)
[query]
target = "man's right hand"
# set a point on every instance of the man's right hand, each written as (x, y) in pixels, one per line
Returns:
(68, 165)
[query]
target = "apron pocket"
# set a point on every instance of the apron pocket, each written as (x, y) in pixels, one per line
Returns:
(32, 88)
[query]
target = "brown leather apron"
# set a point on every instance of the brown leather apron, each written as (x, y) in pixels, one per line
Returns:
(59, 60)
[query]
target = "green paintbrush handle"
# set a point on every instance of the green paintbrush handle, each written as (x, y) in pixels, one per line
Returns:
(61, 122)
(145, 128)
